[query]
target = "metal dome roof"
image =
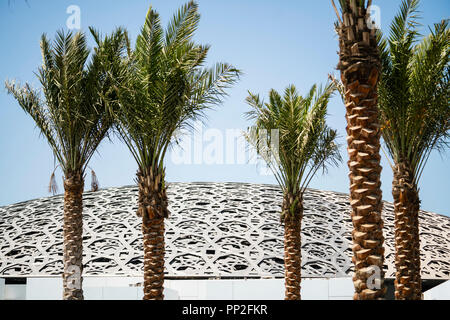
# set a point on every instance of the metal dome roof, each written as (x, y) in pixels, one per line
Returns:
(215, 230)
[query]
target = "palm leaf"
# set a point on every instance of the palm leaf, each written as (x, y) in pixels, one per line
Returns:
(291, 136)
(73, 114)
(165, 87)
(414, 90)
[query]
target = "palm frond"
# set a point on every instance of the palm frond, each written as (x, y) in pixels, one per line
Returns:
(182, 27)
(165, 87)
(94, 181)
(291, 136)
(414, 90)
(73, 114)
(52, 186)
(351, 5)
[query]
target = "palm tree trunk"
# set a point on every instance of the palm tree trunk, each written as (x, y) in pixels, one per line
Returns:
(153, 208)
(408, 283)
(360, 66)
(73, 236)
(292, 213)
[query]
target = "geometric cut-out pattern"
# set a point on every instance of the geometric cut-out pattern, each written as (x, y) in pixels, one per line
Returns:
(214, 230)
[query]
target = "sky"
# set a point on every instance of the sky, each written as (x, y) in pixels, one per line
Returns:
(274, 43)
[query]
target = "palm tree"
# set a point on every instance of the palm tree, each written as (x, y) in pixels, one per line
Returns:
(359, 64)
(73, 118)
(165, 88)
(415, 116)
(291, 136)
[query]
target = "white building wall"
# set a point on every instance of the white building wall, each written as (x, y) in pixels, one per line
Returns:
(341, 289)
(2, 289)
(440, 292)
(94, 288)
(127, 288)
(44, 289)
(15, 292)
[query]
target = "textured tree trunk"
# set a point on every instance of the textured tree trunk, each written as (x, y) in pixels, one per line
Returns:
(292, 213)
(359, 65)
(153, 208)
(73, 237)
(408, 283)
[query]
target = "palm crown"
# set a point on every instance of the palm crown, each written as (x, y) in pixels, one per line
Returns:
(165, 86)
(305, 143)
(414, 90)
(72, 116)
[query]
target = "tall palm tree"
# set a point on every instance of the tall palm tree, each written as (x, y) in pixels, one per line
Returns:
(359, 64)
(291, 136)
(415, 116)
(165, 88)
(73, 118)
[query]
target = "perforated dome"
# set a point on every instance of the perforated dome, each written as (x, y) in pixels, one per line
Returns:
(215, 230)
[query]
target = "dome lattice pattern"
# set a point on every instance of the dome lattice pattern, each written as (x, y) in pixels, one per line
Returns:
(215, 230)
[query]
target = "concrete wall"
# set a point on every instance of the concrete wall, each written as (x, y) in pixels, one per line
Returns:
(440, 292)
(341, 289)
(270, 289)
(261, 289)
(2, 289)
(15, 292)
(94, 288)
(44, 289)
(125, 288)
(129, 288)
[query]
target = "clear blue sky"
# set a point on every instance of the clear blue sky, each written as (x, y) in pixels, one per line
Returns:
(275, 43)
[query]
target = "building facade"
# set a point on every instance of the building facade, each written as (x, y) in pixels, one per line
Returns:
(223, 241)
